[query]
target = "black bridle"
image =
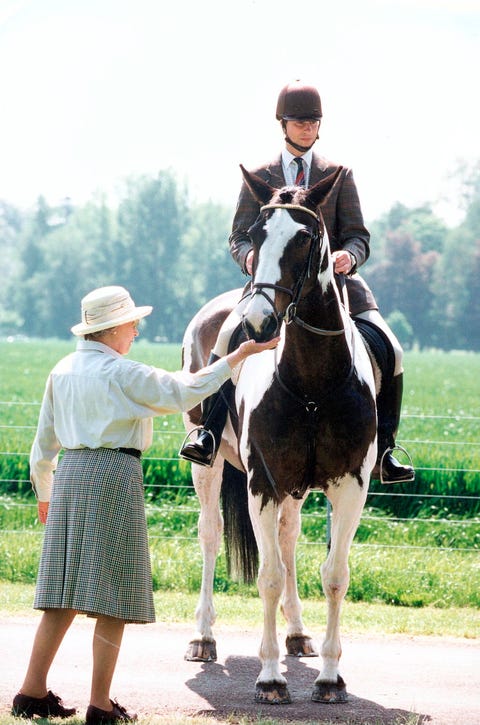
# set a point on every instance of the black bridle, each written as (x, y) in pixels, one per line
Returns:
(295, 294)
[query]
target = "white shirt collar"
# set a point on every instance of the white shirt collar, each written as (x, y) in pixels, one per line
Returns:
(289, 171)
(96, 345)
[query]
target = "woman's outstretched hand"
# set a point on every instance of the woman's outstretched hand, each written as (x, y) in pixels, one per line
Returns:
(250, 347)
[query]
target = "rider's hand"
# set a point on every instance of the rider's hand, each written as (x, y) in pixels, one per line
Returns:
(342, 262)
(42, 508)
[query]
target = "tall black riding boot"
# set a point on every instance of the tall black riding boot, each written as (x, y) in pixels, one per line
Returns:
(389, 403)
(214, 416)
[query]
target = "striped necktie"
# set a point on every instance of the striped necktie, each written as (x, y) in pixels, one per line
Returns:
(300, 177)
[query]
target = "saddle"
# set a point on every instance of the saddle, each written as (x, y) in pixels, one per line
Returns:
(379, 348)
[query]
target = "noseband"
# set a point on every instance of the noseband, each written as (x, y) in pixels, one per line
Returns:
(290, 314)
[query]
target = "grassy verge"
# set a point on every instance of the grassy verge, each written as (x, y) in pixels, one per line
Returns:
(415, 563)
(239, 612)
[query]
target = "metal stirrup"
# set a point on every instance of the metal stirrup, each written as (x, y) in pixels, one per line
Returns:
(203, 430)
(396, 447)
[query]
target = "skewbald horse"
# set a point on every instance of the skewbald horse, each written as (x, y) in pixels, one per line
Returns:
(303, 418)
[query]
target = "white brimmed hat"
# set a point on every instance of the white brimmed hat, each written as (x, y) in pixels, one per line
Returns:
(107, 307)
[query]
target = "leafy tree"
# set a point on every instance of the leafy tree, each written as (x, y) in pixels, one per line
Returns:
(152, 219)
(29, 292)
(205, 259)
(65, 254)
(455, 299)
(455, 303)
(419, 222)
(175, 256)
(11, 222)
(401, 328)
(472, 308)
(402, 282)
(77, 259)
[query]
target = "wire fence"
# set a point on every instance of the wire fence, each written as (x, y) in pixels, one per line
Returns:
(320, 517)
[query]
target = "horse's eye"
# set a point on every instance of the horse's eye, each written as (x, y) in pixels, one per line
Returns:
(303, 236)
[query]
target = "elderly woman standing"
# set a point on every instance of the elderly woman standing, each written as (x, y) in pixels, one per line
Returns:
(98, 407)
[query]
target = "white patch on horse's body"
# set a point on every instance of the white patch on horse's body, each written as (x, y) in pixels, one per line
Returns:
(325, 276)
(256, 379)
(363, 365)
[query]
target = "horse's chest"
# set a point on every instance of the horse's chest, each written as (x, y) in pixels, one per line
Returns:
(323, 441)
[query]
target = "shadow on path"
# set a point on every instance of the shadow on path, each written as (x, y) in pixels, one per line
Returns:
(230, 688)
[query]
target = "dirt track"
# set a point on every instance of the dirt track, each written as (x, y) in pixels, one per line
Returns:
(387, 677)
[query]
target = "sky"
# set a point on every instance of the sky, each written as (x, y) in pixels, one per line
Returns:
(94, 91)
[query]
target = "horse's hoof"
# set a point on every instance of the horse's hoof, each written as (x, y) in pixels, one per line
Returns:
(272, 693)
(201, 650)
(330, 692)
(300, 646)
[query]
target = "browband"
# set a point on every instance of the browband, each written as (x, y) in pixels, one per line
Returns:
(290, 206)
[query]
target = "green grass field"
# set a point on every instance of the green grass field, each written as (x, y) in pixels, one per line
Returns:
(417, 551)
(440, 424)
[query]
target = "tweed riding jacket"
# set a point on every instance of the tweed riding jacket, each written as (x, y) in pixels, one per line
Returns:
(342, 215)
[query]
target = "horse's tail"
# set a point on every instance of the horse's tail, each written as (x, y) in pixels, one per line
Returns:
(241, 549)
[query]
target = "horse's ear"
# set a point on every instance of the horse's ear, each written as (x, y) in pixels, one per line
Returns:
(320, 191)
(262, 191)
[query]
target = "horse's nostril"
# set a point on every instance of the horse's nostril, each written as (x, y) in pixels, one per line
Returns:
(248, 329)
(269, 328)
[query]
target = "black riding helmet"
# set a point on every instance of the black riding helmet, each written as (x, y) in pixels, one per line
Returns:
(298, 101)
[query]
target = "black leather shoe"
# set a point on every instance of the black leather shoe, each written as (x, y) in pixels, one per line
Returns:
(392, 471)
(202, 451)
(96, 716)
(49, 706)
(214, 415)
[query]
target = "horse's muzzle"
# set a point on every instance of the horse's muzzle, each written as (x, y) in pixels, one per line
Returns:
(267, 330)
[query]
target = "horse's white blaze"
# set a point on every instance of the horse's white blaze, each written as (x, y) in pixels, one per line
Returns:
(280, 228)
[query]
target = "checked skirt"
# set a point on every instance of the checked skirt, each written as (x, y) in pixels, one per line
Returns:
(95, 556)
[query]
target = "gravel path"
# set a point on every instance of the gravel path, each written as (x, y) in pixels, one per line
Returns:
(387, 677)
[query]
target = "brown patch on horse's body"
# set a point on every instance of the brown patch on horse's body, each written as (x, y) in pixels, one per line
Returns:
(343, 427)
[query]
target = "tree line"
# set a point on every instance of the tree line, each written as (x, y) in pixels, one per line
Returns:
(173, 254)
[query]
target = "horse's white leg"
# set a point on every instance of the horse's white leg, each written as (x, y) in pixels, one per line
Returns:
(298, 642)
(347, 499)
(271, 685)
(207, 482)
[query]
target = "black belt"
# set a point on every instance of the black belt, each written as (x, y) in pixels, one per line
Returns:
(130, 451)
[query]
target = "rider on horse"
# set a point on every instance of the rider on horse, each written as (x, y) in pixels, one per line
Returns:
(299, 111)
